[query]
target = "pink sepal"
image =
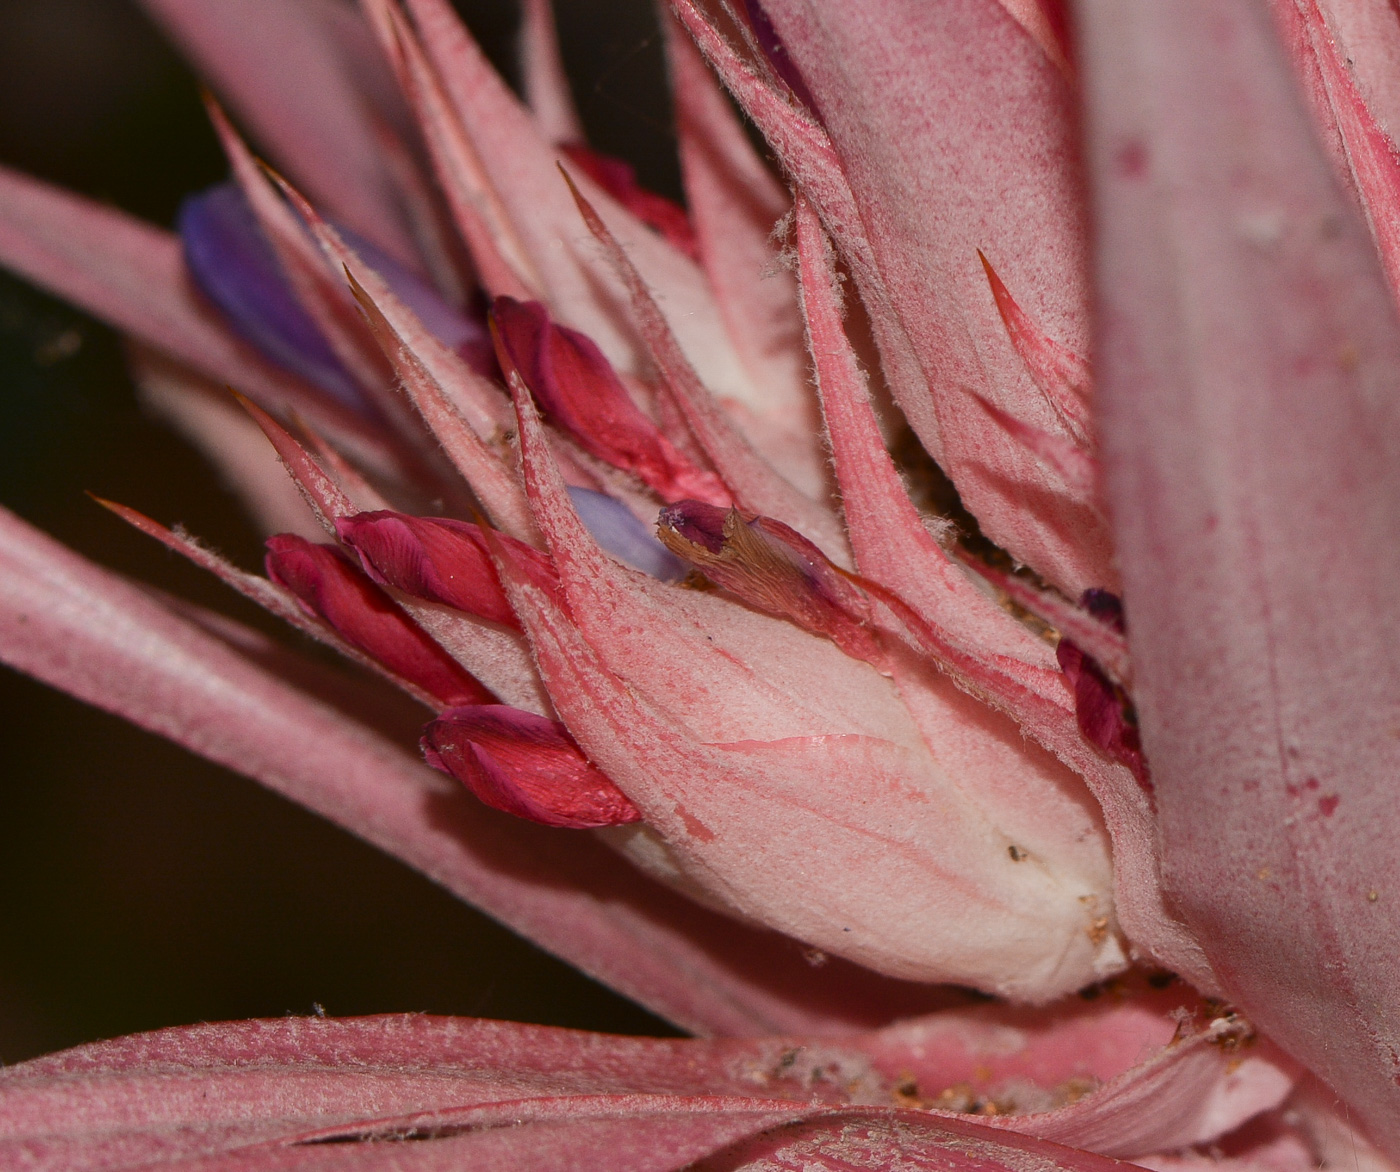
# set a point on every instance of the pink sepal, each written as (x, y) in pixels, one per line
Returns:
(579, 389)
(525, 765)
(433, 558)
(332, 589)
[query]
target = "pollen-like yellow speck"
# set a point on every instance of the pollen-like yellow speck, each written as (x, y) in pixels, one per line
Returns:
(1373, 895)
(906, 1092)
(1264, 873)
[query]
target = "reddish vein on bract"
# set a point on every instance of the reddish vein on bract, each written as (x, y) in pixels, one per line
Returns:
(328, 586)
(525, 765)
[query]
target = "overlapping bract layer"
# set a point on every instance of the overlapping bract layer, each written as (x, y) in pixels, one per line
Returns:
(830, 728)
(896, 776)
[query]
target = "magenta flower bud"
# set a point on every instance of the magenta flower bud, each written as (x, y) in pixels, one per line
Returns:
(578, 388)
(332, 589)
(525, 765)
(432, 558)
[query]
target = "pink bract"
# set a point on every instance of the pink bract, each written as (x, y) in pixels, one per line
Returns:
(707, 690)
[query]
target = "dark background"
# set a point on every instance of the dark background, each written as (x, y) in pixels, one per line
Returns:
(139, 886)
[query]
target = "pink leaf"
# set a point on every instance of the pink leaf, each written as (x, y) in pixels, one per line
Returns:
(318, 288)
(307, 80)
(1252, 458)
(291, 1090)
(736, 204)
(1364, 152)
(327, 500)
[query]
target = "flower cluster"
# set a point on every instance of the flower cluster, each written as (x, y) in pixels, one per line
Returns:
(715, 708)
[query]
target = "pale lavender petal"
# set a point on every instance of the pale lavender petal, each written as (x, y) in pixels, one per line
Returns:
(234, 266)
(618, 531)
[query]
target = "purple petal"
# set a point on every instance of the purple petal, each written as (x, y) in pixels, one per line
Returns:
(235, 267)
(618, 531)
(465, 334)
(776, 52)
